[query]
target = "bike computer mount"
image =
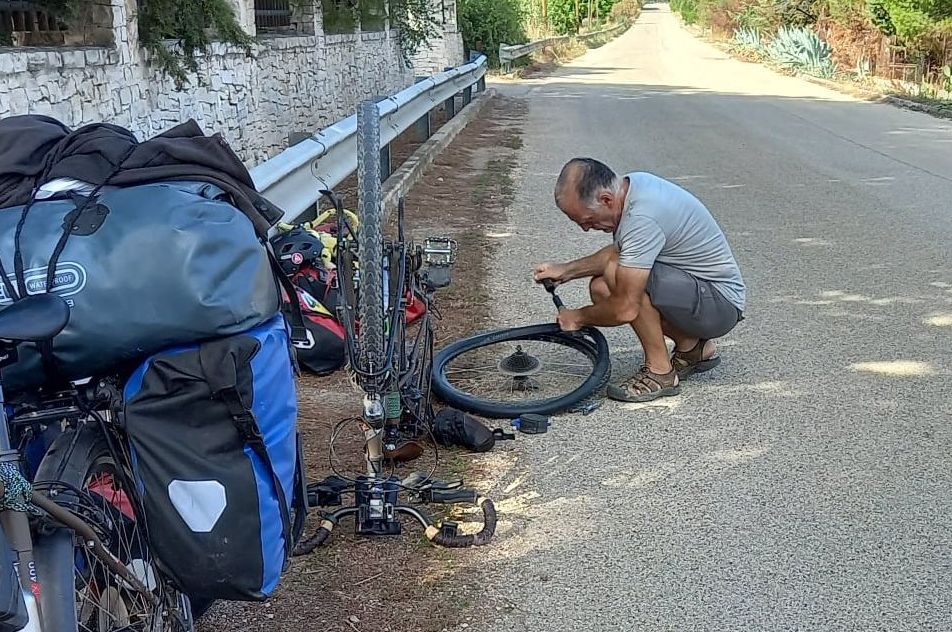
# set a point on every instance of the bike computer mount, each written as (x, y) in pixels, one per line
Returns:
(438, 255)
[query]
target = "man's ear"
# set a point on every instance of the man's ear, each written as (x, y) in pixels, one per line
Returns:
(606, 198)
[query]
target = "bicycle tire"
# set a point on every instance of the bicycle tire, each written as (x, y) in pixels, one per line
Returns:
(370, 239)
(589, 341)
(72, 457)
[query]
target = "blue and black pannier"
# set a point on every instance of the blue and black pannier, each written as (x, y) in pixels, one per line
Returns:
(212, 428)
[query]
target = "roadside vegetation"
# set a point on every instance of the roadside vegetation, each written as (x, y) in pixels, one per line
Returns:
(486, 24)
(896, 46)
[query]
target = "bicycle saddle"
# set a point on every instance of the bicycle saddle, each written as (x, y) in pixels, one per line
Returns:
(34, 318)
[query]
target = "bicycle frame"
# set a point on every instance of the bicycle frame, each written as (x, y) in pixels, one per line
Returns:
(16, 526)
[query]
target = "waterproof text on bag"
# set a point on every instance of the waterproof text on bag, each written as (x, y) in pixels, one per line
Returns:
(143, 267)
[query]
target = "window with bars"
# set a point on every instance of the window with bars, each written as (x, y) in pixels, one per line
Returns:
(26, 23)
(273, 15)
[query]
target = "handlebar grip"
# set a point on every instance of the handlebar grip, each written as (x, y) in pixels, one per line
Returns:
(454, 496)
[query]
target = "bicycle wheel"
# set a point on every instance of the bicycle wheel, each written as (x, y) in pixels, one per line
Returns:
(535, 369)
(370, 239)
(79, 592)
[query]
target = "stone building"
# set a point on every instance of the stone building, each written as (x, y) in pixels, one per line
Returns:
(302, 75)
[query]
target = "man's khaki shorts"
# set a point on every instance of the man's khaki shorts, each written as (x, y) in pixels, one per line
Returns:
(692, 305)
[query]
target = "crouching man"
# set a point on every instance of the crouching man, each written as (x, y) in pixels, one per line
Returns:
(668, 273)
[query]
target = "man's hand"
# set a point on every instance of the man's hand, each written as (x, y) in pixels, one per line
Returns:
(550, 270)
(570, 320)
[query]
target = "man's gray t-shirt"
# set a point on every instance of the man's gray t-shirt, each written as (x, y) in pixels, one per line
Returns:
(663, 222)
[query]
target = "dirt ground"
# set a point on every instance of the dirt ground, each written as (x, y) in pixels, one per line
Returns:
(398, 584)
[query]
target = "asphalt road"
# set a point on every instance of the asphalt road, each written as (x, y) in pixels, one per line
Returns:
(806, 484)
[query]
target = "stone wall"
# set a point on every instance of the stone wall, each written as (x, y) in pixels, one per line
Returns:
(291, 84)
(445, 51)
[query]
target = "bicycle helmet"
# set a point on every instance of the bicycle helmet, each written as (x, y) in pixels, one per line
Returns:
(297, 247)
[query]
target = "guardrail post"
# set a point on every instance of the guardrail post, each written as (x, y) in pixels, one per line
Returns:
(481, 84)
(467, 95)
(422, 125)
(450, 104)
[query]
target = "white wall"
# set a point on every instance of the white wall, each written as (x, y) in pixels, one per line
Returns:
(295, 83)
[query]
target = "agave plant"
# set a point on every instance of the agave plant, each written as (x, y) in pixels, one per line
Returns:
(802, 49)
(749, 38)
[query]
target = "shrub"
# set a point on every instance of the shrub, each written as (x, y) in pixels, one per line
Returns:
(626, 10)
(687, 9)
(749, 38)
(802, 49)
(485, 24)
(563, 18)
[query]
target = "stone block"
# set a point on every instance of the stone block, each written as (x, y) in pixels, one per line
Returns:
(8, 63)
(19, 103)
(43, 107)
(37, 62)
(90, 113)
(63, 112)
(74, 58)
(95, 57)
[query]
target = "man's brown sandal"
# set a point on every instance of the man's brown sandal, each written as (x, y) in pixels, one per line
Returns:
(646, 386)
(689, 362)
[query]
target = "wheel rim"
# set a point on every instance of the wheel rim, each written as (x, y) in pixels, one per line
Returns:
(509, 372)
(105, 602)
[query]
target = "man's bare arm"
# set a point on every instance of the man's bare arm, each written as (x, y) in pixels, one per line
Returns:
(592, 265)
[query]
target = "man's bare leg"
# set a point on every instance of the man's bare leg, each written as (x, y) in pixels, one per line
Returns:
(647, 326)
(684, 342)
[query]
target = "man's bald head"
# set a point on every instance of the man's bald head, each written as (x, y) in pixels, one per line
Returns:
(588, 191)
(583, 179)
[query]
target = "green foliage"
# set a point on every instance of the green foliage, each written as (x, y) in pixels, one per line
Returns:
(486, 24)
(416, 22)
(339, 16)
(191, 24)
(800, 48)
(909, 18)
(687, 9)
(373, 14)
(798, 12)
(749, 38)
(563, 18)
(879, 16)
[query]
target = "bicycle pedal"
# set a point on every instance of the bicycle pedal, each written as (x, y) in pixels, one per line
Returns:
(439, 251)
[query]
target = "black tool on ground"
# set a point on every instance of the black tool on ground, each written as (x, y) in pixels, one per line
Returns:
(454, 427)
(531, 423)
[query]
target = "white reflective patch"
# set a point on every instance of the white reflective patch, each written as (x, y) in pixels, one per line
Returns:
(200, 503)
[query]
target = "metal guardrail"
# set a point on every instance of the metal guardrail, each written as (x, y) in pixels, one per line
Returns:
(508, 54)
(292, 180)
